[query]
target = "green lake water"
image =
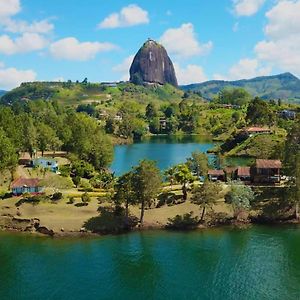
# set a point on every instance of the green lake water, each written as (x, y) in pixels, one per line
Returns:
(166, 150)
(256, 263)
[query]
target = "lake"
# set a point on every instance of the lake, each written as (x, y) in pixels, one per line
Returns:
(166, 150)
(256, 263)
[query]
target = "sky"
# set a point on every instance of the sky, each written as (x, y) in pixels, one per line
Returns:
(206, 40)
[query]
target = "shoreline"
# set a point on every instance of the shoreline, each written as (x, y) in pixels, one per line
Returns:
(148, 228)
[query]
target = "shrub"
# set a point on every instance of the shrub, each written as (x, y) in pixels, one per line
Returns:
(85, 198)
(65, 170)
(71, 200)
(185, 222)
(56, 196)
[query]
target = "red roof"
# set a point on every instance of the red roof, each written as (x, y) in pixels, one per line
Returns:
(243, 171)
(216, 172)
(29, 182)
(268, 164)
(257, 129)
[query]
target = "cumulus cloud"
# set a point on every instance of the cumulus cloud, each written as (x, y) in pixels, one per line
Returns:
(130, 15)
(183, 42)
(9, 8)
(11, 77)
(72, 49)
(189, 74)
(123, 68)
(245, 69)
(247, 7)
(282, 43)
(27, 42)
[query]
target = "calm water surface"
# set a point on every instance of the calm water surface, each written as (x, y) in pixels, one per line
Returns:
(257, 263)
(166, 150)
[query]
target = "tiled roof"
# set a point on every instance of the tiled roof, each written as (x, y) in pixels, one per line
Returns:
(29, 182)
(268, 164)
(243, 171)
(216, 172)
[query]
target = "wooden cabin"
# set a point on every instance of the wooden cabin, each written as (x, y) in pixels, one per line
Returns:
(26, 185)
(266, 171)
(216, 175)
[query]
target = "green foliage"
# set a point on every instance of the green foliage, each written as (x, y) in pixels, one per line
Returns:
(259, 113)
(85, 198)
(206, 195)
(240, 196)
(234, 96)
(57, 196)
(183, 176)
(146, 183)
(198, 163)
(185, 222)
(8, 155)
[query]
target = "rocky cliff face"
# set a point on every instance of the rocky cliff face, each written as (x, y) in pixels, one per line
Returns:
(152, 65)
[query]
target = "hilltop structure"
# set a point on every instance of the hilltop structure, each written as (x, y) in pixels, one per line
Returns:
(152, 65)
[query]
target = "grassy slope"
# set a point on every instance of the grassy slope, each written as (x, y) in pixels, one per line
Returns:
(259, 146)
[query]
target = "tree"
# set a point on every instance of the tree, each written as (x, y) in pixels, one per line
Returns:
(198, 163)
(184, 176)
(240, 196)
(124, 192)
(170, 175)
(147, 184)
(45, 137)
(8, 155)
(110, 126)
(206, 196)
(29, 134)
(292, 165)
(235, 96)
(259, 112)
(151, 111)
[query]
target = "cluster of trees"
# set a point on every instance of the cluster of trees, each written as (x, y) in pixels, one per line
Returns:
(46, 126)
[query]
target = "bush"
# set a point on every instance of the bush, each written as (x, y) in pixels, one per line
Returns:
(71, 200)
(85, 198)
(34, 200)
(56, 196)
(65, 170)
(185, 222)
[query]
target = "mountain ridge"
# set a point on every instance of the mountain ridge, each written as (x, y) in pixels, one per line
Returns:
(284, 86)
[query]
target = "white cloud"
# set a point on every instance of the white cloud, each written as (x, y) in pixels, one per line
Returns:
(189, 74)
(9, 8)
(123, 68)
(11, 77)
(71, 49)
(282, 43)
(183, 42)
(43, 26)
(245, 69)
(25, 43)
(247, 7)
(130, 15)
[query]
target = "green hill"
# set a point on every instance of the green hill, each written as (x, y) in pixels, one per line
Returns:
(2, 93)
(73, 94)
(284, 86)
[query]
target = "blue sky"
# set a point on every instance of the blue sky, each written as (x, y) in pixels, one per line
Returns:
(217, 39)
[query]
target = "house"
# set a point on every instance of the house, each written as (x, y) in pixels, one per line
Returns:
(266, 171)
(24, 185)
(45, 163)
(257, 130)
(243, 174)
(288, 114)
(215, 175)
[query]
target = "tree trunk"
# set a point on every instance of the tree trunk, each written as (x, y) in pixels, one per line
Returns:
(203, 213)
(184, 192)
(142, 213)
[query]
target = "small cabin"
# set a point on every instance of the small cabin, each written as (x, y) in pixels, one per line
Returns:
(266, 171)
(26, 185)
(243, 174)
(45, 163)
(216, 175)
(257, 130)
